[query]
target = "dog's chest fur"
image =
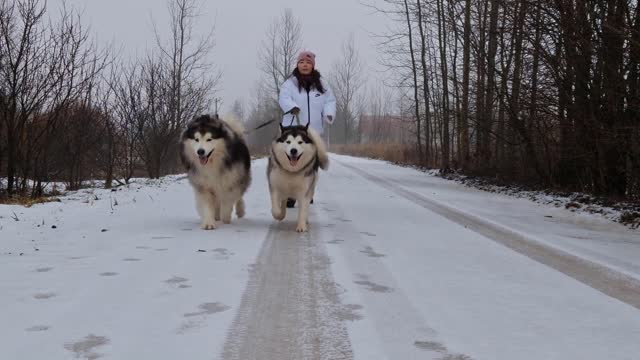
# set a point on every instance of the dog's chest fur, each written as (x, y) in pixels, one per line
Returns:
(218, 179)
(287, 183)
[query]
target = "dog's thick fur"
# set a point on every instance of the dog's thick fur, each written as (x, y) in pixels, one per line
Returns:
(296, 155)
(217, 160)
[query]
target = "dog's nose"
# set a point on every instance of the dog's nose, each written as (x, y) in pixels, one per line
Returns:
(294, 151)
(200, 152)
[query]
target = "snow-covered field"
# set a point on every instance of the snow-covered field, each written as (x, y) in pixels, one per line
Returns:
(397, 265)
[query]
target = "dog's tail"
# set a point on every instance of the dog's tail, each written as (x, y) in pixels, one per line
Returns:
(234, 123)
(323, 156)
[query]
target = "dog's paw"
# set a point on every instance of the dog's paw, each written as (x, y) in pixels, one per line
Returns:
(240, 208)
(217, 217)
(278, 215)
(302, 228)
(208, 225)
(226, 221)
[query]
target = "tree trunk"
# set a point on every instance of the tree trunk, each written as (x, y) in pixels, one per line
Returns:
(425, 84)
(487, 118)
(442, 42)
(481, 131)
(415, 82)
(463, 156)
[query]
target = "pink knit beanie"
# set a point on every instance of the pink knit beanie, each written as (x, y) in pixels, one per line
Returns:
(308, 55)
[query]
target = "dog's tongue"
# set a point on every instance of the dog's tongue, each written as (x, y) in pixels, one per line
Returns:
(293, 162)
(204, 160)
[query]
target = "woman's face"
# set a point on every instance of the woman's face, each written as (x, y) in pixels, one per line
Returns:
(305, 67)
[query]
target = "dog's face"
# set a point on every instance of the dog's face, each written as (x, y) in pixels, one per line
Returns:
(293, 148)
(203, 138)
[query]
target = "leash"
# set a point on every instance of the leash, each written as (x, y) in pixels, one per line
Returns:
(293, 117)
(259, 126)
(296, 118)
(263, 124)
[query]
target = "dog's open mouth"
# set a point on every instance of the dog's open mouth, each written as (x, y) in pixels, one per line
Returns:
(204, 159)
(293, 159)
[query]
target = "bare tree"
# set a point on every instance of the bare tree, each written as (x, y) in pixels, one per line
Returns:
(414, 70)
(463, 157)
(262, 109)
(110, 135)
(442, 45)
(425, 81)
(180, 82)
(238, 109)
(279, 50)
(277, 59)
(128, 108)
(548, 91)
(45, 68)
(347, 80)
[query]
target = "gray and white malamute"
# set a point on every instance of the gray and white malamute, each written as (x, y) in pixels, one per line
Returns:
(296, 155)
(218, 163)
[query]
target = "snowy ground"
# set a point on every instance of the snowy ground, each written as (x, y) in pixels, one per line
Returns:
(397, 265)
(627, 213)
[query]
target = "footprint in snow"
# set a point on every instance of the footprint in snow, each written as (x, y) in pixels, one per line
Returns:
(209, 309)
(41, 296)
(85, 348)
(37, 328)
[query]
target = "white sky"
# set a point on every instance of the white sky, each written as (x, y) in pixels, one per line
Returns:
(240, 29)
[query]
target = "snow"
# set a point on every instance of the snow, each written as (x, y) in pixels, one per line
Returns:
(142, 284)
(589, 235)
(410, 284)
(575, 202)
(480, 299)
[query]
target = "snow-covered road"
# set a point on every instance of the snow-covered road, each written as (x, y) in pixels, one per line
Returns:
(397, 265)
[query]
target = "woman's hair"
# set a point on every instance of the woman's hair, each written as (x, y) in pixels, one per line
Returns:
(308, 81)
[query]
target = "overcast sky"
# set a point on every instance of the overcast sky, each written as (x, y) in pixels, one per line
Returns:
(240, 29)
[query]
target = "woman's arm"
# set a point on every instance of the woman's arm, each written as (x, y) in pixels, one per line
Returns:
(285, 98)
(329, 110)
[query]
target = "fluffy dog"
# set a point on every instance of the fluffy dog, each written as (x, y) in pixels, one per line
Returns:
(296, 155)
(218, 164)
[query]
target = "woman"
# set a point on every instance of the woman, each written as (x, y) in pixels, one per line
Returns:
(304, 95)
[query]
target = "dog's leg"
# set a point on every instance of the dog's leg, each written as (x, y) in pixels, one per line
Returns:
(204, 201)
(303, 214)
(278, 209)
(240, 208)
(216, 209)
(226, 208)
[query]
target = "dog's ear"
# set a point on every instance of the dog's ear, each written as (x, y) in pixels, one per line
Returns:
(306, 127)
(200, 119)
(281, 128)
(216, 116)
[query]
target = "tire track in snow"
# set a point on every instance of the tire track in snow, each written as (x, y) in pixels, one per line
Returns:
(599, 277)
(400, 331)
(290, 308)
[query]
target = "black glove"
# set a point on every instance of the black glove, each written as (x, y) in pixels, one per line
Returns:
(295, 111)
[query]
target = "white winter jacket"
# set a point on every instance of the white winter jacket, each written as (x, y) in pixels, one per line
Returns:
(315, 107)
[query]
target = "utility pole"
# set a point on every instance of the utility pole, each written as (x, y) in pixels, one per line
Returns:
(218, 104)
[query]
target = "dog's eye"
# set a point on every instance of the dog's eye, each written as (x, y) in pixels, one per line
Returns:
(288, 141)
(299, 142)
(209, 140)
(197, 140)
